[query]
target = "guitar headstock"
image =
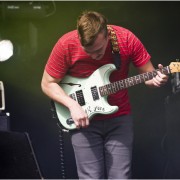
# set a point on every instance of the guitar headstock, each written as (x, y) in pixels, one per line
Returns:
(174, 67)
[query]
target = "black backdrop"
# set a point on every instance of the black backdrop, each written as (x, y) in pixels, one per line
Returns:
(34, 32)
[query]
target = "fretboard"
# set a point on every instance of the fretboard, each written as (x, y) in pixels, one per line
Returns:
(114, 87)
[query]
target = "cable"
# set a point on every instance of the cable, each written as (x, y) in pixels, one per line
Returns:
(61, 151)
(61, 143)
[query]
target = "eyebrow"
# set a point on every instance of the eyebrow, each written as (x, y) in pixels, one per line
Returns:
(99, 49)
(93, 51)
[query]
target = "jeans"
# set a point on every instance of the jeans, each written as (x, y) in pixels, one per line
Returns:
(104, 149)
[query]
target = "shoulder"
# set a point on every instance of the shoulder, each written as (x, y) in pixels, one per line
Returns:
(121, 30)
(124, 34)
(68, 38)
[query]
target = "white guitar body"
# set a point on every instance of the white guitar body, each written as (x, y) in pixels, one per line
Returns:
(91, 93)
(88, 88)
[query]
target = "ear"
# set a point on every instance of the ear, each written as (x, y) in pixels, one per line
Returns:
(109, 33)
(79, 37)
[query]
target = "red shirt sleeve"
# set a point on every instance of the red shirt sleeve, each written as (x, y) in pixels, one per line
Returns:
(57, 63)
(138, 52)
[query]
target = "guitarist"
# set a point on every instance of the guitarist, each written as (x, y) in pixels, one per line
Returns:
(102, 146)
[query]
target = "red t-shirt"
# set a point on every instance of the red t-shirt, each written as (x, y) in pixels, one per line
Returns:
(68, 57)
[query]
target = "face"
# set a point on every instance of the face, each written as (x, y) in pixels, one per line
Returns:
(97, 50)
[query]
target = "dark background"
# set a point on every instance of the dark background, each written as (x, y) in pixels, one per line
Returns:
(34, 33)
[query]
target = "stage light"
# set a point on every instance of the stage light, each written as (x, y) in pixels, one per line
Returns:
(6, 50)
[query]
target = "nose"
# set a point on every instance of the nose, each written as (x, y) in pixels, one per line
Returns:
(94, 55)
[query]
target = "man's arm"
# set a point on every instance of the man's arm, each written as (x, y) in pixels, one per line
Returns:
(157, 81)
(52, 89)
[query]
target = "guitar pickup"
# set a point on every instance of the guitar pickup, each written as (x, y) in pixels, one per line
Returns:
(94, 92)
(80, 97)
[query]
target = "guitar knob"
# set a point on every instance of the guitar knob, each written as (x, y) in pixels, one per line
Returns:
(69, 121)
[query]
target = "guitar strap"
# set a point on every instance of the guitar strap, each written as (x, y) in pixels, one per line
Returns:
(115, 47)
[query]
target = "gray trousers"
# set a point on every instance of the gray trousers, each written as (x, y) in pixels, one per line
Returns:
(104, 149)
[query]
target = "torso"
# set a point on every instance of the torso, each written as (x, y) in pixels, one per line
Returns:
(69, 58)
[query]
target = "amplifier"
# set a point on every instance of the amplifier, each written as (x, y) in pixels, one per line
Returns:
(4, 121)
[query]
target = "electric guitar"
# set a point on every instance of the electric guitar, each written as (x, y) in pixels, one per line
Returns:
(91, 93)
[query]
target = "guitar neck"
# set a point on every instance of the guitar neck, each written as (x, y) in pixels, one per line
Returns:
(114, 87)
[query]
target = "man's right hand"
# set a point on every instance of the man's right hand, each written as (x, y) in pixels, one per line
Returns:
(79, 116)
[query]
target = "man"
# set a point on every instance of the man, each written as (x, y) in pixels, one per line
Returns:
(102, 146)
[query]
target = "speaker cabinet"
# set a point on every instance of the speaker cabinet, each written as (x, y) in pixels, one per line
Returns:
(17, 158)
(4, 122)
